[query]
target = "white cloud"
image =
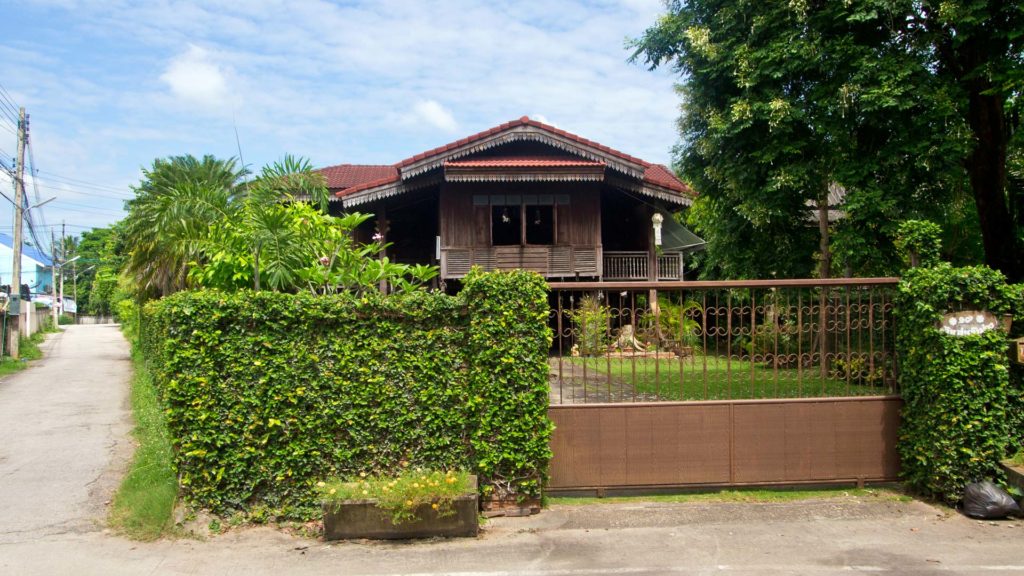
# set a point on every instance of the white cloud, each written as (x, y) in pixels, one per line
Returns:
(432, 112)
(113, 85)
(196, 79)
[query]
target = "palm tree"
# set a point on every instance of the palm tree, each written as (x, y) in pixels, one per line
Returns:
(178, 201)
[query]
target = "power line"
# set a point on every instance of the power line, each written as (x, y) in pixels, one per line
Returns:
(8, 104)
(89, 193)
(82, 183)
(58, 226)
(35, 188)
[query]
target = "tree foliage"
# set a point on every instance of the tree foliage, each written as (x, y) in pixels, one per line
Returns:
(782, 100)
(194, 224)
(177, 203)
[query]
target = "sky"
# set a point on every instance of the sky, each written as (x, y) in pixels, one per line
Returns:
(112, 85)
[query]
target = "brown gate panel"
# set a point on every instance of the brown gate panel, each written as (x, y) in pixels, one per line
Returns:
(724, 443)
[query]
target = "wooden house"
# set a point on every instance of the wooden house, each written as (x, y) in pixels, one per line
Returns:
(522, 195)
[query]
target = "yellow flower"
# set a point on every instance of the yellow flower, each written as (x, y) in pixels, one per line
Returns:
(434, 506)
(321, 484)
(415, 485)
(365, 492)
(408, 502)
(450, 480)
(362, 474)
(333, 490)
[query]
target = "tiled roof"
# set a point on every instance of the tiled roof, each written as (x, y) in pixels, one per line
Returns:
(660, 175)
(347, 179)
(348, 175)
(367, 185)
(524, 162)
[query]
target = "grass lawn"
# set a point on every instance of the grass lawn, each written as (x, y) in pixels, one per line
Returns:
(144, 504)
(706, 377)
(743, 495)
(28, 349)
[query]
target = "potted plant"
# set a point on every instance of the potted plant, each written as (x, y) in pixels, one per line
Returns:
(414, 504)
(1015, 471)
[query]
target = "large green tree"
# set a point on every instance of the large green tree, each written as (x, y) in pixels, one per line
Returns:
(783, 100)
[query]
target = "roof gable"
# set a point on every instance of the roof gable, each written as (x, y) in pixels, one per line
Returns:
(523, 129)
(365, 183)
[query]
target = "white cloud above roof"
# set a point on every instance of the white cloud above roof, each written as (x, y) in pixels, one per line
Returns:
(435, 114)
(194, 77)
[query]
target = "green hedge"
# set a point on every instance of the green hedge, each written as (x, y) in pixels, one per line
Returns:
(267, 393)
(959, 408)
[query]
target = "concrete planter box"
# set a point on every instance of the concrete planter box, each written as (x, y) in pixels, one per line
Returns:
(363, 519)
(1014, 475)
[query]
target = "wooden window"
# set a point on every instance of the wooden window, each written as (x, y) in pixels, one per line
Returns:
(540, 224)
(521, 219)
(506, 225)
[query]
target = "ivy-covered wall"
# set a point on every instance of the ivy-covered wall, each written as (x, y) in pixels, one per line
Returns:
(267, 393)
(962, 410)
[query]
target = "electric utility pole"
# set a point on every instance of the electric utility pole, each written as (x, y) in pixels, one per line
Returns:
(19, 199)
(63, 261)
(53, 281)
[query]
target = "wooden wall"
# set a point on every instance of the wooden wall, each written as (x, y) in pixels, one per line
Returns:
(466, 226)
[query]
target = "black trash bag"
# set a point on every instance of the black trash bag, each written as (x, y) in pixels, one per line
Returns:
(986, 501)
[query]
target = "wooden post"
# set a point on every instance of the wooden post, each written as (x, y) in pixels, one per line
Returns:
(382, 229)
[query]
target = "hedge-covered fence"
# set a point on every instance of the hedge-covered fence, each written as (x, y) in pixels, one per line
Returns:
(962, 411)
(267, 393)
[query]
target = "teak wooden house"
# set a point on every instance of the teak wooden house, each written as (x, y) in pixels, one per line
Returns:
(521, 195)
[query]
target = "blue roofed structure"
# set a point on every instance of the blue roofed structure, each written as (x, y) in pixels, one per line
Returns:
(36, 267)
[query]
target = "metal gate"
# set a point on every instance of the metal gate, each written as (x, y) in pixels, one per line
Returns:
(723, 384)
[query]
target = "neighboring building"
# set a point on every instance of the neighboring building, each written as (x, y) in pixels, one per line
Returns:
(36, 267)
(522, 195)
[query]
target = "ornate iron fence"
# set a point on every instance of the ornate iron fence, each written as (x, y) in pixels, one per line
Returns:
(677, 341)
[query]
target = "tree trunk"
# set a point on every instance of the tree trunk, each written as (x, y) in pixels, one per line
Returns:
(825, 271)
(987, 170)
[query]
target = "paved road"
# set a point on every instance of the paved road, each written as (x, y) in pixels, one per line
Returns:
(65, 424)
(66, 433)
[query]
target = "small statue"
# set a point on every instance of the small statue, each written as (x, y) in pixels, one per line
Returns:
(627, 340)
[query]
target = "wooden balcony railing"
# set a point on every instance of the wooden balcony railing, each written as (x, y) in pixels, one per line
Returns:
(634, 265)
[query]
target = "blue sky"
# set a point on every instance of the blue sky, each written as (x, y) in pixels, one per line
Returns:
(111, 85)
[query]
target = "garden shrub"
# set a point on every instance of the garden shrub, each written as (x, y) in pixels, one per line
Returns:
(267, 393)
(507, 347)
(590, 321)
(959, 403)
